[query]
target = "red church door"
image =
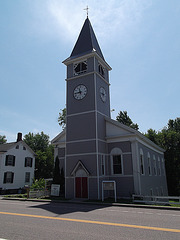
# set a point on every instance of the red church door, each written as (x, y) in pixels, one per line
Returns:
(81, 187)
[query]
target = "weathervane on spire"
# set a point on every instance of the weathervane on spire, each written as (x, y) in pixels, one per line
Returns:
(87, 10)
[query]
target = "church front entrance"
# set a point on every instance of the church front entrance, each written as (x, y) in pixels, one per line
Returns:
(81, 187)
(81, 183)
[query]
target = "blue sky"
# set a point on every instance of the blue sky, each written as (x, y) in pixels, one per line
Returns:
(139, 39)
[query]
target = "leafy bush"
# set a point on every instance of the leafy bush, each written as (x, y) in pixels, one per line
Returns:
(38, 184)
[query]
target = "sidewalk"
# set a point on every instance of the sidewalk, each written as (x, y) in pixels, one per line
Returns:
(93, 203)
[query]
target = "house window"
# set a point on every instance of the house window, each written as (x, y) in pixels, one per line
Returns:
(10, 160)
(28, 162)
(27, 177)
(154, 165)
(8, 177)
(149, 164)
(24, 148)
(17, 147)
(102, 164)
(141, 162)
(80, 68)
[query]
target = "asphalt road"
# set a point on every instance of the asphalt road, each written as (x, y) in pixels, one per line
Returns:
(36, 220)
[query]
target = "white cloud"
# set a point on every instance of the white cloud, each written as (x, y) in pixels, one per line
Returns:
(10, 136)
(109, 17)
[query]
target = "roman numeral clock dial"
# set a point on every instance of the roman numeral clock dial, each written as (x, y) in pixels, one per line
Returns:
(102, 94)
(80, 92)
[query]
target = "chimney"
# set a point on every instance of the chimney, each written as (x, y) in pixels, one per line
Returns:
(19, 137)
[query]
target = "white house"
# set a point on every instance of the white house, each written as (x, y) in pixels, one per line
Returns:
(17, 162)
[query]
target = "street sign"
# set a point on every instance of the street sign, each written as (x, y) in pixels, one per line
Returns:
(108, 185)
(55, 189)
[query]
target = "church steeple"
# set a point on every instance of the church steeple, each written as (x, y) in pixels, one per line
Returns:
(87, 42)
(87, 104)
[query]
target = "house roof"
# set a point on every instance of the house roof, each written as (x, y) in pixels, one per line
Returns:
(86, 42)
(7, 146)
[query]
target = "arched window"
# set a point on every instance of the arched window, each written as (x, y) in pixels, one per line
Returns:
(103, 164)
(154, 165)
(116, 161)
(163, 170)
(149, 164)
(141, 162)
(159, 167)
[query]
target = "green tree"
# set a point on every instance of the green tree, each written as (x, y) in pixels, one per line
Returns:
(153, 136)
(38, 184)
(56, 175)
(62, 182)
(123, 118)
(38, 141)
(169, 139)
(62, 118)
(3, 139)
(40, 144)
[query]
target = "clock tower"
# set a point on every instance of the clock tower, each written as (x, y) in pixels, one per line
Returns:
(87, 103)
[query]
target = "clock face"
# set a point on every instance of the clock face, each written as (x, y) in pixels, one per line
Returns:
(102, 94)
(80, 92)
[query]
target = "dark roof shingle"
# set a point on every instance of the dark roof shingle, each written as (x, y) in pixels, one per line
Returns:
(87, 42)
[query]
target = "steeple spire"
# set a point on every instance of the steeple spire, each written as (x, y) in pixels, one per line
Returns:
(87, 10)
(87, 41)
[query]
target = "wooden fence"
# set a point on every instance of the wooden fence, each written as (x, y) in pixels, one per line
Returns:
(162, 200)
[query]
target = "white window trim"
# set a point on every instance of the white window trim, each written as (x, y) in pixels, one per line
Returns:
(163, 167)
(154, 166)
(116, 151)
(141, 154)
(103, 163)
(29, 177)
(159, 166)
(149, 164)
(80, 72)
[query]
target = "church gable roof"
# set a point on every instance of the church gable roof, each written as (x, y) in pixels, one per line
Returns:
(80, 166)
(116, 130)
(60, 138)
(87, 42)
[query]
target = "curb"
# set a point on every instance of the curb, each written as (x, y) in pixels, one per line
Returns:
(95, 203)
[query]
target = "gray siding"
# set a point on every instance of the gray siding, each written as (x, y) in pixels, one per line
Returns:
(157, 181)
(89, 161)
(124, 146)
(81, 147)
(81, 127)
